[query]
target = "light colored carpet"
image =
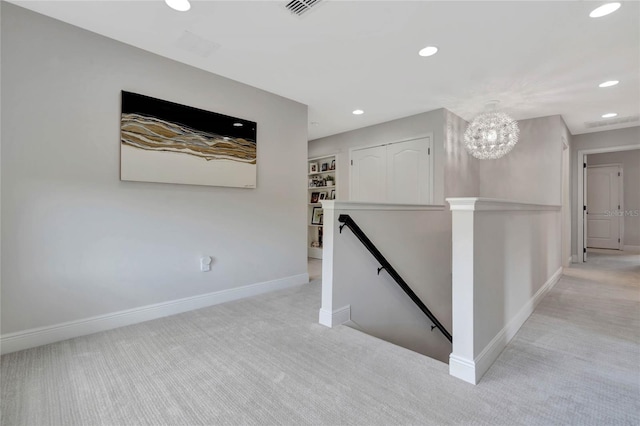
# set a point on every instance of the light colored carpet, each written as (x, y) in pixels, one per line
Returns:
(265, 360)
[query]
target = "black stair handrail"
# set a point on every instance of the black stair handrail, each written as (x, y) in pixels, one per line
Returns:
(345, 219)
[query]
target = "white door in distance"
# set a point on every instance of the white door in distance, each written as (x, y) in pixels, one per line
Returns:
(603, 203)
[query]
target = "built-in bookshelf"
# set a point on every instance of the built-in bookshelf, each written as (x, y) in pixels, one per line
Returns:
(321, 184)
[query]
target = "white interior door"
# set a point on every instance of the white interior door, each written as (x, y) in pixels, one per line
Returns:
(368, 174)
(603, 204)
(408, 172)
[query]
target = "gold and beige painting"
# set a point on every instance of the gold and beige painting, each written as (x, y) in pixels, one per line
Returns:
(167, 142)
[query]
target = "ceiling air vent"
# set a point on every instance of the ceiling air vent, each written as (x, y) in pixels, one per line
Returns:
(611, 121)
(195, 44)
(300, 7)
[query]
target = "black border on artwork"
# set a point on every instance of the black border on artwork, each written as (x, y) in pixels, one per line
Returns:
(195, 118)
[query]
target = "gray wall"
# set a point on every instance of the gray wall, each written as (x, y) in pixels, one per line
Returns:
(532, 171)
(630, 161)
(537, 171)
(78, 242)
(461, 171)
(611, 138)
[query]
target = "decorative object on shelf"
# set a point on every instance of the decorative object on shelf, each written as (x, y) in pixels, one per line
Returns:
(333, 165)
(332, 196)
(316, 181)
(166, 142)
(491, 135)
(323, 195)
(313, 167)
(316, 217)
(325, 167)
(329, 180)
(315, 244)
(314, 197)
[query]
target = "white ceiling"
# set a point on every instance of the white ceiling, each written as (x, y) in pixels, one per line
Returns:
(537, 58)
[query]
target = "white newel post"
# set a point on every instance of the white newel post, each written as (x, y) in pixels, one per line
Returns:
(330, 224)
(461, 360)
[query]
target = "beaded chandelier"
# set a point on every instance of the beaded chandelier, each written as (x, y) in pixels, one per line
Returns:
(491, 135)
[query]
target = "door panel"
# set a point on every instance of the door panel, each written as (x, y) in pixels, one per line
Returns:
(408, 172)
(368, 174)
(600, 229)
(603, 200)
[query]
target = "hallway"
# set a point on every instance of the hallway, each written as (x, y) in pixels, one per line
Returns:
(578, 354)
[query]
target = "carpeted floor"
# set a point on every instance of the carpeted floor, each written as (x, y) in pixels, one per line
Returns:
(265, 360)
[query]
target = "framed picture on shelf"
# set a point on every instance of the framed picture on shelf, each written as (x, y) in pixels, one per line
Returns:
(332, 196)
(316, 217)
(333, 165)
(323, 195)
(325, 167)
(313, 167)
(315, 196)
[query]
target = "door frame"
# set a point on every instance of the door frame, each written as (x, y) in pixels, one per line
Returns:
(579, 214)
(431, 147)
(620, 198)
(566, 203)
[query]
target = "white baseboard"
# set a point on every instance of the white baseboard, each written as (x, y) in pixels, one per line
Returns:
(472, 370)
(631, 248)
(462, 369)
(31, 338)
(337, 317)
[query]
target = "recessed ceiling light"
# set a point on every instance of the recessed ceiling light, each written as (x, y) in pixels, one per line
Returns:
(237, 124)
(608, 83)
(179, 5)
(604, 10)
(428, 51)
(609, 115)
(358, 112)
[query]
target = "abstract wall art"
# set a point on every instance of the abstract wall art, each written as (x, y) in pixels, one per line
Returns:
(162, 141)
